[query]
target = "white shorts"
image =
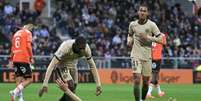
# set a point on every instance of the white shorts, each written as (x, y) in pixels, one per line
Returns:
(142, 67)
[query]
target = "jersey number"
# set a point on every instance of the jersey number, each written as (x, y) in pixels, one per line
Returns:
(17, 42)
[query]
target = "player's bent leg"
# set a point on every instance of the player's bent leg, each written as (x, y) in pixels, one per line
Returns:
(136, 88)
(155, 81)
(14, 93)
(18, 81)
(149, 95)
(74, 74)
(27, 82)
(155, 77)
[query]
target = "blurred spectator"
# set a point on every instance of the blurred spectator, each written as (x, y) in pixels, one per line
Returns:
(105, 24)
(39, 6)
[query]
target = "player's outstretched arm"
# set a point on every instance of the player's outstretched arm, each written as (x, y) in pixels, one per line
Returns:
(93, 70)
(96, 76)
(64, 87)
(47, 76)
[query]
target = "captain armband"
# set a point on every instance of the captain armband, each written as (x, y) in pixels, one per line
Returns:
(88, 58)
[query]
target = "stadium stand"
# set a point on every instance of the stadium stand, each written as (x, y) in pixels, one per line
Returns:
(105, 24)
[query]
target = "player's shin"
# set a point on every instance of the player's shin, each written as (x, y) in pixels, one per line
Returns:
(137, 93)
(18, 89)
(144, 91)
(145, 87)
(136, 90)
(150, 89)
(21, 98)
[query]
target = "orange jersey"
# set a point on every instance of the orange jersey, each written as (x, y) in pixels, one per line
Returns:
(21, 46)
(157, 49)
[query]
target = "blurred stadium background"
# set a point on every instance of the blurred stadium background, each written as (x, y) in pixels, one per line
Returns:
(105, 24)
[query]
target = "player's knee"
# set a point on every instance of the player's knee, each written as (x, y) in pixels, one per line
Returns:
(29, 80)
(155, 71)
(145, 82)
(155, 82)
(137, 80)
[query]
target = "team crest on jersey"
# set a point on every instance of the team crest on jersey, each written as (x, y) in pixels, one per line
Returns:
(147, 30)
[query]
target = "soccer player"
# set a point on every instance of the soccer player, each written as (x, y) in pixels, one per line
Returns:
(140, 37)
(156, 64)
(66, 57)
(21, 58)
(196, 7)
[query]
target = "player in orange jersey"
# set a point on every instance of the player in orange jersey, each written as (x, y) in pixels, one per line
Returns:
(21, 58)
(156, 64)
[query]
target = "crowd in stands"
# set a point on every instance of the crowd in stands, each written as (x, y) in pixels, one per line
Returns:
(105, 25)
(45, 41)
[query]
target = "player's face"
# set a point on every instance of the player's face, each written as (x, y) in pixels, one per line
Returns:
(143, 12)
(78, 48)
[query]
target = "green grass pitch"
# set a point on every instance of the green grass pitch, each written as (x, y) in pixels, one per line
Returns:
(110, 92)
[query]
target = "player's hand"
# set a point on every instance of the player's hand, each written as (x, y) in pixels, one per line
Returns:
(42, 90)
(32, 61)
(98, 90)
(62, 85)
(10, 64)
(143, 36)
(129, 41)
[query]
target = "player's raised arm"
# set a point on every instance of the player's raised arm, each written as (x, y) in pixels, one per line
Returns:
(93, 70)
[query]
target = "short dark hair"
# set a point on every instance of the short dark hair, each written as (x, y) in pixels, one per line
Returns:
(80, 40)
(144, 5)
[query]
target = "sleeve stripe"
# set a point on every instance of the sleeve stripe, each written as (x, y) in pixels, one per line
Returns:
(57, 57)
(158, 35)
(88, 58)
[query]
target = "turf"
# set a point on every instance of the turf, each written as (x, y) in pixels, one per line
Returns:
(110, 93)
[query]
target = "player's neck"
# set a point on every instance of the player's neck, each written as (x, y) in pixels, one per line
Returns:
(142, 21)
